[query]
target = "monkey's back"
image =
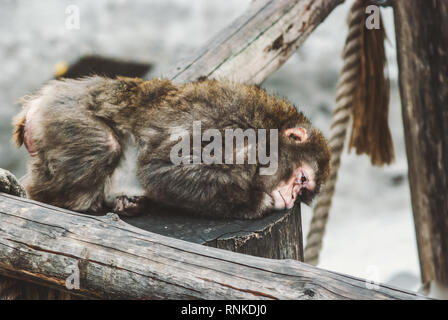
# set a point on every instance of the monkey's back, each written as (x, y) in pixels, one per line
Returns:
(78, 132)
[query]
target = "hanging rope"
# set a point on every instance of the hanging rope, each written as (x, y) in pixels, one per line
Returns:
(349, 79)
(363, 97)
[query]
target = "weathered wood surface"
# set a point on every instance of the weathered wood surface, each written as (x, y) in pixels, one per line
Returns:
(276, 236)
(422, 48)
(257, 43)
(9, 184)
(116, 260)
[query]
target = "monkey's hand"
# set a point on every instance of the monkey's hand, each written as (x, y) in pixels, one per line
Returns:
(129, 206)
(9, 184)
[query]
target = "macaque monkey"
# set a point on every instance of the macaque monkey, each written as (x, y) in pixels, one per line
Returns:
(99, 144)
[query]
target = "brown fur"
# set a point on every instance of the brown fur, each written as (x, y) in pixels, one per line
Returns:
(79, 131)
(19, 128)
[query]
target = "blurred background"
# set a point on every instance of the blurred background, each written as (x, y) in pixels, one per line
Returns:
(370, 233)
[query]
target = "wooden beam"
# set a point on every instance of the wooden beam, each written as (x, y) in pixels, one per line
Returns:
(422, 48)
(257, 43)
(44, 244)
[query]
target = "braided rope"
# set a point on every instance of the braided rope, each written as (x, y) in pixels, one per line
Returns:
(347, 83)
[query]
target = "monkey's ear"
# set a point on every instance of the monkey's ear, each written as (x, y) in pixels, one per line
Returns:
(298, 135)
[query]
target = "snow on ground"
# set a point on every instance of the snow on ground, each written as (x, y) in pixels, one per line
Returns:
(370, 232)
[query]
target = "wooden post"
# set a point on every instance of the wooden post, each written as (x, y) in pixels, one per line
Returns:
(422, 48)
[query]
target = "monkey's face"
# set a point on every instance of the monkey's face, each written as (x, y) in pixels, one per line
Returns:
(300, 185)
(304, 160)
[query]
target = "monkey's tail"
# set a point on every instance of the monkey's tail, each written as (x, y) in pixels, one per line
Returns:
(18, 135)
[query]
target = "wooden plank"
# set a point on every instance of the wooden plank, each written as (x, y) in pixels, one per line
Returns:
(422, 48)
(257, 43)
(116, 260)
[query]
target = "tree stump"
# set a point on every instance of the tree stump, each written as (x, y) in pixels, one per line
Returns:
(276, 236)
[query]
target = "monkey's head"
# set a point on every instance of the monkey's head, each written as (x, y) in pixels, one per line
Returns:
(303, 164)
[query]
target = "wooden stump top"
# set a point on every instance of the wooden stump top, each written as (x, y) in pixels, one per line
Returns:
(277, 235)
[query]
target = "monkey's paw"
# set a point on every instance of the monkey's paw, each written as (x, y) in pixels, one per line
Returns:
(128, 206)
(9, 184)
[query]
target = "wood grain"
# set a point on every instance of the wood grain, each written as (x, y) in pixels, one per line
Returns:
(119, 261)
(422, 49)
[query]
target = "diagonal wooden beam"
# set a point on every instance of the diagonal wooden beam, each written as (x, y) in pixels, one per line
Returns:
(257, 43)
